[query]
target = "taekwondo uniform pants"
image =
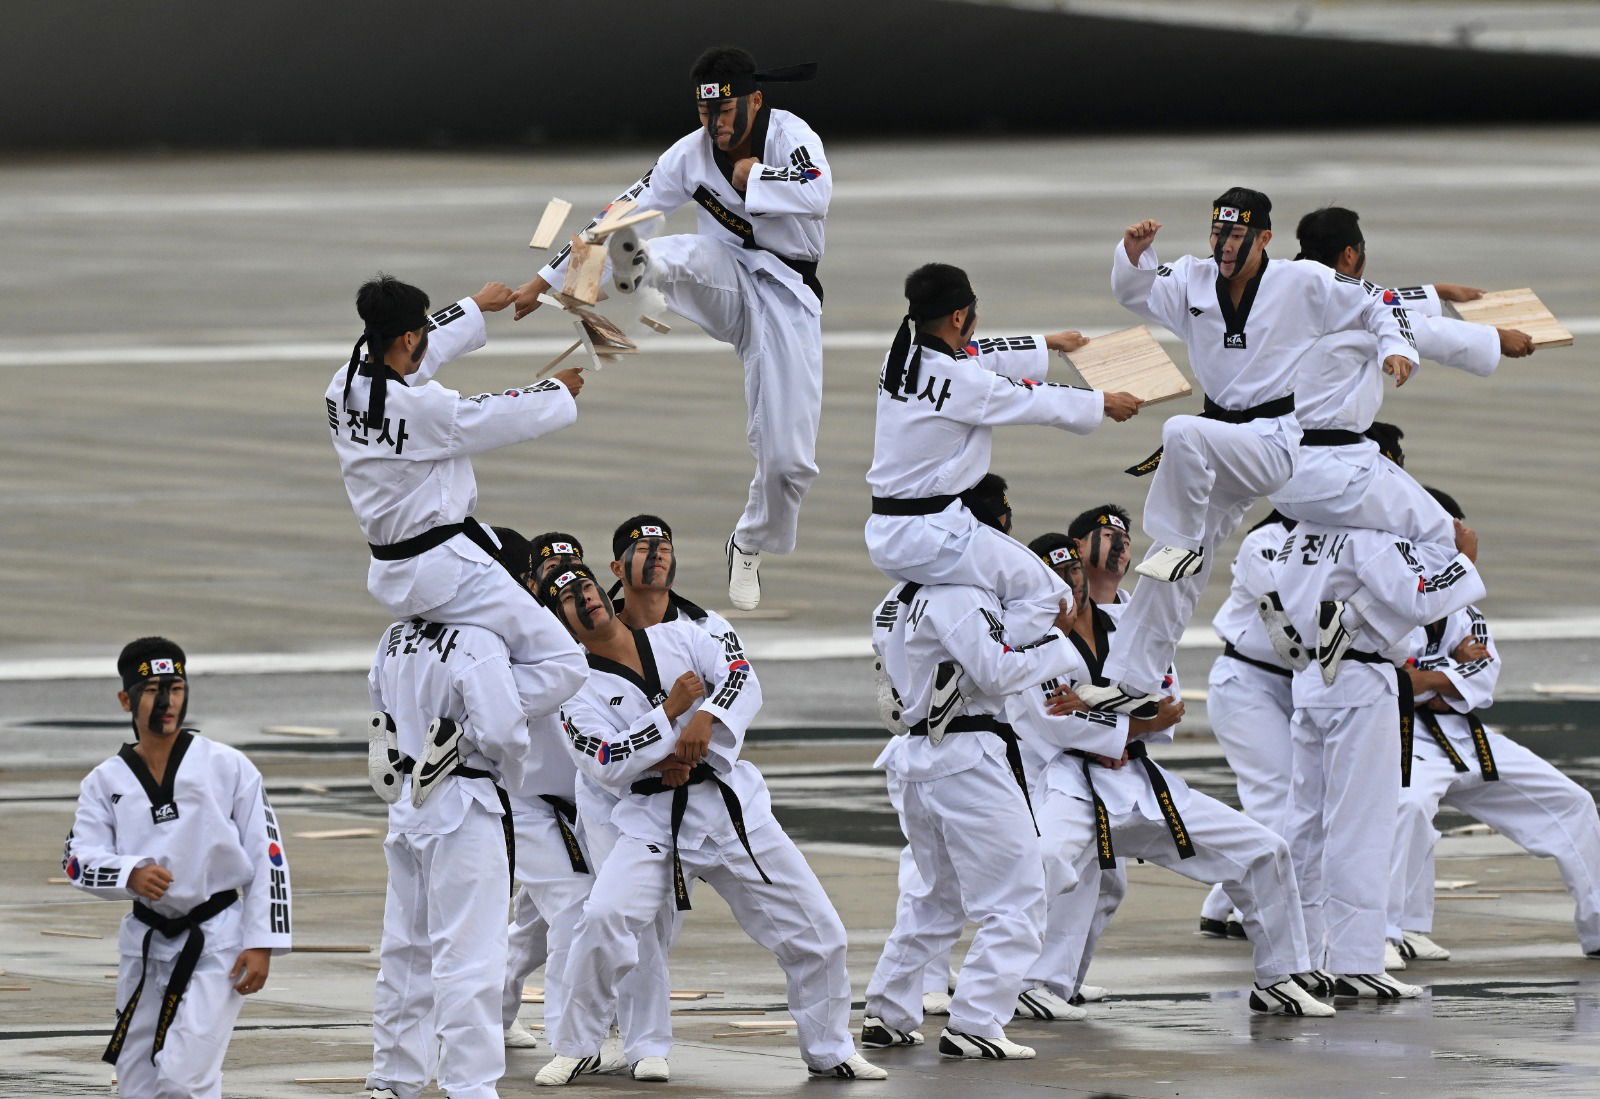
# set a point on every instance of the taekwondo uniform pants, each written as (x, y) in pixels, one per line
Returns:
(1342, 806)
(1251, 862)
(1211, 473)
(1381, 497)
(1532, 804)
(974, 844)
(550, 898)
(436, 1010)
(1075, 920)
(1250, 709)
(189, 1065)
(937, 977)
(778, 337)
(792, 917)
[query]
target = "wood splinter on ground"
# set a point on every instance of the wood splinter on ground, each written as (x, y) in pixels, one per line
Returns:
(330, 1079)
(555, 212)
(338, 834)
(70, 934)
(1129, 361)
(332, 948)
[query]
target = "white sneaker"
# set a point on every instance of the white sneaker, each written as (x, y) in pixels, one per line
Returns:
(946, 702)
(383, 758)
(1393, 960)
(1039, 1002)
(877, 1034)
(889, 709)
(1089, 994)
(1333, 640)
(519, 1036)
(954, 1043)
(630, 259)
(1285, 638)
(383, 1093)
(1287, 998)
(744, 577)
(563, 1070)
(1170, 563)
(651, 1070)
(855, 1067)
(1315, 981)
(1378, 986)
(936, 1003)
(442, 756)
(1117, 698)
(1423, 949)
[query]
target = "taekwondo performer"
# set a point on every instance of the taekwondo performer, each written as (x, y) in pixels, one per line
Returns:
(1459, 761)
(1247, 323)
(1346, 788)
(747, 276)
(406, 458)
(690, 807)
(1102, 797)
(180, 825)
(940, 396)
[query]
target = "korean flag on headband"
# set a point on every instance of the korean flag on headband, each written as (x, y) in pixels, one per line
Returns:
(648, 531)
(562, 547)
(711, 91)
(1060, 555)
(163, 667)
(1228, 213)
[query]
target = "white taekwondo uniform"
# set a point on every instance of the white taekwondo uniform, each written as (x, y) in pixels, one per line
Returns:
(436, 1011)
(208, 823)
(965, 813)
(413, 474)
(1346, 785)
(1526, 800)
(617, 732)
(1340, 479)
(1145, 810)
(1215, 466)
(932, 444)
(748, 277)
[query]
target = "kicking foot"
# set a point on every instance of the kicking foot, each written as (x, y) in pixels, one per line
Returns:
(1416, 945)
(1316, 982)
(877, 1034)
(441, 758)
(1378, 986)
(889, 711)
(630, 259)
(938, 1003)
(651, 1070)
(1285, 638)
(1170, 563)
(1393, 959)
(1119, 698)
(1287, 998)
(954, 1043)
(519, 1036)
(744, 576)
(1040, 1003)
(856, 1067)
(1333, 640)
(383, 758)
(946, 701)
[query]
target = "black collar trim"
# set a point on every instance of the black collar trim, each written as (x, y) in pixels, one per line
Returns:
(159, 793)
(1233, 319)
(758, 144)
(1095, 657)
(649, 683)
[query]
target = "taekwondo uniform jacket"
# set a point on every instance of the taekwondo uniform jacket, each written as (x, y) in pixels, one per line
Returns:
(1236, 622)
(1475, 680)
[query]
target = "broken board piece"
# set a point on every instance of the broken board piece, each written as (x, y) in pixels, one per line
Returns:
(586, 267)
(658, 326)
(555, 212)
(762, 1024)
(16, 988)
(330, 1079)
(605, 228)
(1469, 897)
(1454, 883)
(331, 948)
(299, 730)
(559, 359)
(686, 995)
(70, 934)
(1130, 361)
(1519, 309)
(338, 834)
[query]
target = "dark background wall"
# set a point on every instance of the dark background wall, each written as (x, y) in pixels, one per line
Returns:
(410, 72)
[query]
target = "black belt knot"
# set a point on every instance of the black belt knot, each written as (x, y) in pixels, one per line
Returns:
(418, 544)
(702, 772)
(567, 815)
(1105, 855)
(1480, 743)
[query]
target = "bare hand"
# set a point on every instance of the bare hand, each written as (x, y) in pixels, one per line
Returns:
(1466, 541)
(694, 740)
(249, 972)
(150, 882)
(527, 296)
(688, 690)
(1122, 407)
(1515, 344)
(1065, 342)
(674, 772)
(1168, 713)
(572, 378)
(1139, 236)
(1469, 650)
(741, 173)
(1065, 615)
(1399, 366)
(1449, 291)
(494, 297)
(1112, 764)
(1063, 700)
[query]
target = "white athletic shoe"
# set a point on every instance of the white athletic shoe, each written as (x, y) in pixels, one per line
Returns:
(1285, 638)
(442, 756)
(651, 1070)
(1333, 640)
(744, 576)
(1393, 960)
(1315, 981)
(936, 1003)
(856, 1067)
(630, 259)
(877, 1034)
(383, 1093)
(383, 758)
(954, 1043)
(519, 1036)
(1287, 998)
(1418, 946)
(1170, 563)
(1089, 994)
(1379, 986)
(563, 1070)
(947, 701)
(1118, 698)
(889, 710)
(1039, 1002)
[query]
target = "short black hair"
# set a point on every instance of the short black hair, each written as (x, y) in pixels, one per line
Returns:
(620, 537)
(1246, 199)
(1327, 232)
(1089, 520)
(141, 652)
(987, 501)
(383, 303)
(1388, 437)
(721, 62)
(1446, 501)
(516, 555)
(935, 290)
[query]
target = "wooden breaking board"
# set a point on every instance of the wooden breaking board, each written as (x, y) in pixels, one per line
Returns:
(1130, 361)
(1519, 309)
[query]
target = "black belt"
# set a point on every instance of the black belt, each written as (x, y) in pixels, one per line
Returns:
(921, 505)
(1325, 436)
(1104, 852)
(418, 544)
(566, 815)
(988, 723)
(1480, 744)
(1211, 410)
(182, 971)
(1229, 650)
(805, 268)
(702, 772)
(461, 770)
